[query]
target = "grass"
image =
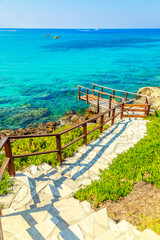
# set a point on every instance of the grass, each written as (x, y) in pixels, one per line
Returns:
(31, 145)
(139, 163)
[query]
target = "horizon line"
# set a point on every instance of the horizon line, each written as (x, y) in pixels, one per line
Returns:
(74, 28)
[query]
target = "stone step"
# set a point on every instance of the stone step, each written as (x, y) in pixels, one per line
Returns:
(64, 213)
(43, 192)
(43, 230)
(147, 235)
(87, 229)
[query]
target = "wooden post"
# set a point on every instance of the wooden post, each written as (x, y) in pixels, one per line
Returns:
(113, 93)
(146, 113)
(59, 153)
(85, 133)
(148, 109)
(93, 88)
(8, 151)
(122, 107)
(101, 128)
(102, 92)
(79, 96)
(110, 100)
(113, 115)
(87, 96)
(98, 104)
(126, 96)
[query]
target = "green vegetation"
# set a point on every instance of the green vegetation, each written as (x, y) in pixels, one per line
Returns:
(151, 223)
(31, 145)
(139, 163)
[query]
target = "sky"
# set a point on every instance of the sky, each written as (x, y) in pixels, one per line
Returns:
(79, 13)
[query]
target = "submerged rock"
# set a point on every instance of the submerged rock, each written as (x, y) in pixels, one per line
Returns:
(70, 112)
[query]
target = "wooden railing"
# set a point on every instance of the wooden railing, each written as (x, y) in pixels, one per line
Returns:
(126, 93)
(6, 141)
(129, 106)
(99, 97)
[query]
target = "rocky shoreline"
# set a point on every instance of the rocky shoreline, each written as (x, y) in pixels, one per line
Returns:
(70, 118)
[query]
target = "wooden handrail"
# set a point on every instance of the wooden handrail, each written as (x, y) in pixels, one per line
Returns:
(94, 90)
(2, 142)
(119, 90)
(5, 142)
(3, 168)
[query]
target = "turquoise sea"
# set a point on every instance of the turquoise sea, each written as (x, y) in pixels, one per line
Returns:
(39, 74)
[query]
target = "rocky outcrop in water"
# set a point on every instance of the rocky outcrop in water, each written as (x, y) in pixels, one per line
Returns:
(154, 95)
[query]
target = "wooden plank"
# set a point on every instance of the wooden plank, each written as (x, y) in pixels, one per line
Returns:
(32, 136)
(3, 141)
(135, 110)
(136, 116)
(115, 100)
(135, 105)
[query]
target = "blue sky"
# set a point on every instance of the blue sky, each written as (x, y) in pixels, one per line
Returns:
(80, 13)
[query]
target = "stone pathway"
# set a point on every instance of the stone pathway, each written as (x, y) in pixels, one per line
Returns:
(41, 205)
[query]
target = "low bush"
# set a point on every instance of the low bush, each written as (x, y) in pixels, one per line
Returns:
(31, 145)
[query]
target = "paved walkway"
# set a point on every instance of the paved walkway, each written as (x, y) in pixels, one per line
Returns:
(41, 205)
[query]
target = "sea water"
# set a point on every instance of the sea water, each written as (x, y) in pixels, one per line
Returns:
(39, 74)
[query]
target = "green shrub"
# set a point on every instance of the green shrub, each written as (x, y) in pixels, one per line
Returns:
(31, 145)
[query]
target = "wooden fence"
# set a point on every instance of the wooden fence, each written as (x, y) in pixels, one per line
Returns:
(98, 98)
(6, 141)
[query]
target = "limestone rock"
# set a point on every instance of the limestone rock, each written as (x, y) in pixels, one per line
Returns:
(65, 120)
(154, 95)
(75, 118)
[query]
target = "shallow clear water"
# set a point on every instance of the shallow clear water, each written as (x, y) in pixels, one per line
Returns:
(39, 74)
